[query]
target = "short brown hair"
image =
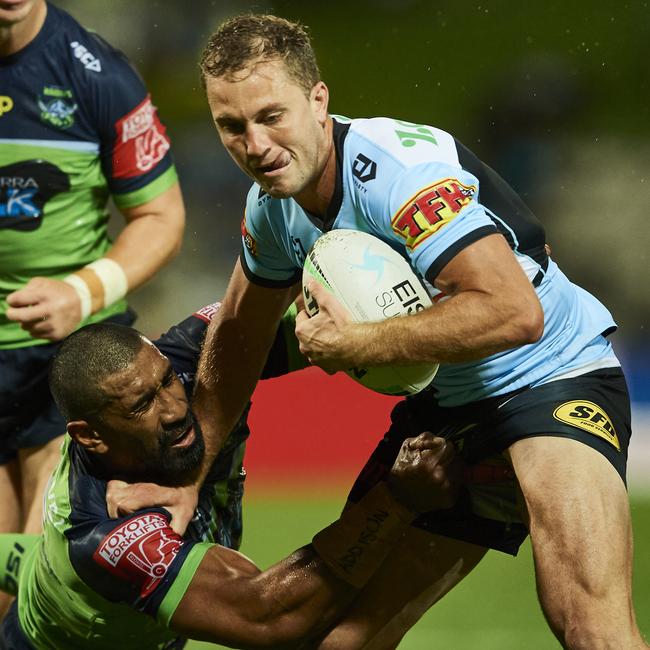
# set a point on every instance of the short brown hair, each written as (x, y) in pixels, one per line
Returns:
(249, 38)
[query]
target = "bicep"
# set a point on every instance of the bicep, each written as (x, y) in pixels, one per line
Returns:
(216, 603)
(167, 205)
(487, 265)
(230, 601)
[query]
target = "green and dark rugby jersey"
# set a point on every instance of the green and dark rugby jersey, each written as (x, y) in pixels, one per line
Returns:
(76, 125)
(91, 581)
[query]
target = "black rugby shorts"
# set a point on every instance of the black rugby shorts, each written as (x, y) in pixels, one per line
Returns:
(593, 409)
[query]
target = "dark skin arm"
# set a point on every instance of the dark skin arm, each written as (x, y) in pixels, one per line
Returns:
(230, 601)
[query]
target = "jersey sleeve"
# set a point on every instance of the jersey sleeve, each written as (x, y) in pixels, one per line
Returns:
(432, 210)
(134, 560)
(135, 148)
(264, 260)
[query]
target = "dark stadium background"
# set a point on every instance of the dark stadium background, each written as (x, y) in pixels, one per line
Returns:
(554, 95)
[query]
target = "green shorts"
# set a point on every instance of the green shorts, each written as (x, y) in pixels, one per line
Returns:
(593, 409)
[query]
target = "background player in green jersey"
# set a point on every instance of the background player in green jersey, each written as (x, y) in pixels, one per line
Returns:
(133, 582)
(77, 127)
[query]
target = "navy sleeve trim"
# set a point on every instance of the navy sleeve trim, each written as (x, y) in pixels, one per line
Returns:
(265, 282)
(452, 251)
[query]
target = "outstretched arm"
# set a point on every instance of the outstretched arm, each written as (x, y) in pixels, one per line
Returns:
(230, 601)
(236, 346)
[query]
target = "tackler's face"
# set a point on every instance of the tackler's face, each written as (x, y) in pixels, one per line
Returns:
(271, 128)
(147, 425)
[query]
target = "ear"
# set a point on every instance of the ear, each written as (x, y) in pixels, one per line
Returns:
(84, 434)
(319, 98)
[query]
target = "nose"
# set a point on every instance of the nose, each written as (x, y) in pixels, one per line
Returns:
(173, 408)
(257, 142)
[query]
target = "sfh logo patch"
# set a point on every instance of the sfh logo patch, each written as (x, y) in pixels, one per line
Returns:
(430, 209)
(590, 418)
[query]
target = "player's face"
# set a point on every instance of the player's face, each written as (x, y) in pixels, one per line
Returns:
(273, 131)
(147, 425)
(13, 12)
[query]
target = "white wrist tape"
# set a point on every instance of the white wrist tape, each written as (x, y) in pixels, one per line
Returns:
(83, 292)
(112, 277)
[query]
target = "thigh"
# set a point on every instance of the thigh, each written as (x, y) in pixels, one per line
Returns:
(581, 536)
(10, 511)
(420, 570)
(36, 466)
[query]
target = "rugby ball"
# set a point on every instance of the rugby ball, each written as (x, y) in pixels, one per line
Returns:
(374, 282)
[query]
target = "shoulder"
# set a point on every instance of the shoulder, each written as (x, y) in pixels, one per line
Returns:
(92, 57)
(128, 559)
(398, 144)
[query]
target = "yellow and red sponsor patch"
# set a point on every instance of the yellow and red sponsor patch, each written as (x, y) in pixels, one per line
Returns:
(249, 240)
(430, 209)
(589, 417)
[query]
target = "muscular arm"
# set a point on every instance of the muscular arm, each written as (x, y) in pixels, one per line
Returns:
(492, 307)
(231, 602)
(51, 309)
(236, 346)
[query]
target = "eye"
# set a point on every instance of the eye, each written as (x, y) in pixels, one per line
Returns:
(272, 118)
(231, 128)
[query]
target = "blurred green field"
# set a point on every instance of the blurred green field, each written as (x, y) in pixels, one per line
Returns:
(495, 608)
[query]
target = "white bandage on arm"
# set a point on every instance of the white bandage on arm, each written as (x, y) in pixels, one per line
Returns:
(83, 292)
(356, 545)
(98, 285)
(112, 277)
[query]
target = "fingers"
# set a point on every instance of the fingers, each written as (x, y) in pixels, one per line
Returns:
(24, 297)
(26, 314)
(115, 492)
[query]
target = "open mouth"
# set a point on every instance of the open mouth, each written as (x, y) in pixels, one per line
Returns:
(185, 438)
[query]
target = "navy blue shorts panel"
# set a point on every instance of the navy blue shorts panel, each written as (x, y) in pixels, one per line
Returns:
(12, 636)
(28, 414)
(592, 409)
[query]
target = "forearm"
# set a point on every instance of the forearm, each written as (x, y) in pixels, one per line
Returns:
(151, 237)
(234, 351)
(298, 598)
(468, 326)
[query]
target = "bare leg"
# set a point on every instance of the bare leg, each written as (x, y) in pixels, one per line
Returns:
(582, 542)
(36, 466)
(418, 572)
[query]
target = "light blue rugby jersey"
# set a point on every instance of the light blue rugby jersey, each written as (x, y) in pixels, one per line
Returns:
(427, 196)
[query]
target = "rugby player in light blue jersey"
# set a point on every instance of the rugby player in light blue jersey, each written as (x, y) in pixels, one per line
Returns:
(527, 378)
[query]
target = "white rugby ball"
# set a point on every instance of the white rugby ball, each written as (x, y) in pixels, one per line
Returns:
(374, 282)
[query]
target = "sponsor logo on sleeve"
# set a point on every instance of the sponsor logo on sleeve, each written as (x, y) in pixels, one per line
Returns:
(249, 240)
(88, 60)
(6, 104)
(588, 417)
(206, 313)
(141, 141)
(364, 169)
(57, 106)
(430, 209)
(140, 551)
